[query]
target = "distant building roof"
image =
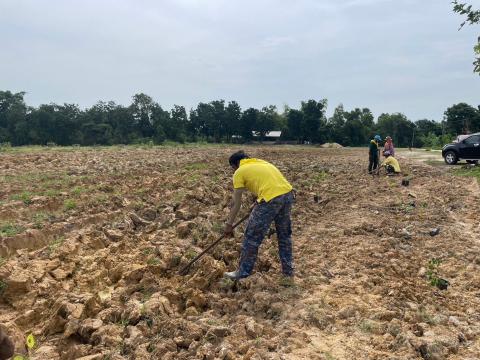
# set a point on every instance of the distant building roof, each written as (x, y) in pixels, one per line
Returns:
(272, 134)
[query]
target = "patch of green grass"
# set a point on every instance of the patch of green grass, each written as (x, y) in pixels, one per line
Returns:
(55, 243)
(123, 322)
(196, 166)
(148, 251)
(141, 191)
(178, 196)
(2, 260)
(69, 204)
(328, 356)
(473, 171)
(320, 176)
(190, 254)
(153, 261)
(24, 196)
(432, 273)
(52, 192)
(365, 326)
(3, 286)
(9, 229)
(192, 178)
(217, 226)
(100, 199)
(434, 162)
(39, 218)
(78, 190)
(424, 316)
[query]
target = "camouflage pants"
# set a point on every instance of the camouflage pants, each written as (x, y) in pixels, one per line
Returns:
(278, 210)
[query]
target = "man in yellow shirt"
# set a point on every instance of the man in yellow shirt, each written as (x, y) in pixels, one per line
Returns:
(391, 164)
(274, 203)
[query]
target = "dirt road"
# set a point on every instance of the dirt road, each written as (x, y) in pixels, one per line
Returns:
(92, 240)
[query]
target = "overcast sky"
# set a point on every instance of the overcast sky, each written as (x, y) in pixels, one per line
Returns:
(389, 55)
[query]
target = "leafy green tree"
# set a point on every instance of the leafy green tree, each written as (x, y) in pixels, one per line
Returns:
(201, 120)
(266, 121)
(363, 121)
(423, 129)
(178, 125)
(398, 127)
(336, 124)
(314, 122)
(163, 127)
(248, 122)
(142, 109)
(123, 124)
(472, 17)
(218, 124)
(12, 111)
(462, 119)
(233, 116)
(295, 124)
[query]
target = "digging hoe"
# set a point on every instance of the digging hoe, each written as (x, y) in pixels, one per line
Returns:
(185, 269)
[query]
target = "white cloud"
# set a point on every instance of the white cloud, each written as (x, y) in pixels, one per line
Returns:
(383, 54)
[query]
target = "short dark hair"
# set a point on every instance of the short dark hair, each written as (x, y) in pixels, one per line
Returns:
(235, 158)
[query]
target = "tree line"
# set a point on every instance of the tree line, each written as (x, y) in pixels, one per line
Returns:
(144, 120)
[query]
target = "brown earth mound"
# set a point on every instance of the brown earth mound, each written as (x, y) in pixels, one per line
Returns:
(93, 241)
(331, 146)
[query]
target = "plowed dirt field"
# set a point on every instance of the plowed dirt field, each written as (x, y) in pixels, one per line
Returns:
(92, 241)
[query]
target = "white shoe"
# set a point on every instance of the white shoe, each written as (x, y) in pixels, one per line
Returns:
(233, 275)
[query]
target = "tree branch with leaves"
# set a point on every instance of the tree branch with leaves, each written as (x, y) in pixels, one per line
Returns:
(472, 18)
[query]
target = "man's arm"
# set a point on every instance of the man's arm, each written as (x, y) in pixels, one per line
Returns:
(237, 202)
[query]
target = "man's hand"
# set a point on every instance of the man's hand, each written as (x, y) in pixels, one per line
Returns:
(228, 231)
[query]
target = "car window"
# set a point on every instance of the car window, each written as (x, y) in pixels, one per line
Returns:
(475, 139)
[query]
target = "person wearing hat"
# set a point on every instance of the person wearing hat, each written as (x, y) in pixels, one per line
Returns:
(391, 164)
(373, 153)
(389, 146)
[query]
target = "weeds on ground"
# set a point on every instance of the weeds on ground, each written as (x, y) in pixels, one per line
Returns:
(473, 171)
(69, 204)
(8, 229)
(196, 166)
(192, 178)
(328, 356)
(3, 286)
(217, 226)
(123, 322)
(153, 261)
(178, 196)
(190, 254)
(2, 260)
(55, 243)
(25, 196)
(424, 316)
(5, 146)
(148, 251)
(52, 193)
(39, 218)
(432, 274)
(100, 199)
(365, 326)
(78, 190)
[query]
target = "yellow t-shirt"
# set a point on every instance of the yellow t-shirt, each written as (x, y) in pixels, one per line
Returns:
(392, 161)
(261, 178)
